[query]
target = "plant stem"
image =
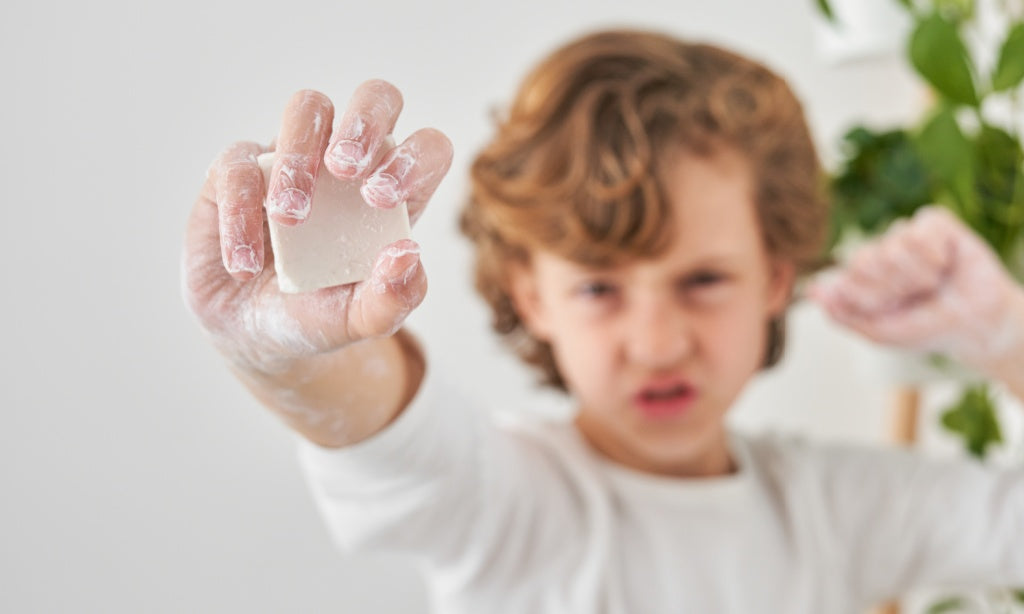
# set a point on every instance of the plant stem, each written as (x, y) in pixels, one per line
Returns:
(1015, 218)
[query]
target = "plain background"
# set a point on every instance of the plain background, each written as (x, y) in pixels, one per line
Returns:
(136, 474)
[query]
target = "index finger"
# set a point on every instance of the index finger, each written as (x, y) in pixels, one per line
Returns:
(305, 128)
(368, 120)
(239, 191)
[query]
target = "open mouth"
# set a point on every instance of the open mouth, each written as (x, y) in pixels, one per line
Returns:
(665, 401)
(665, 394)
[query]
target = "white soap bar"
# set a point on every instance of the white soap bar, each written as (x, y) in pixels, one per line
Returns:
(339, 241)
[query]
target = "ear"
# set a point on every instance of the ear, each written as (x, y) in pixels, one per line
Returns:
(781, 277)
(525, 294)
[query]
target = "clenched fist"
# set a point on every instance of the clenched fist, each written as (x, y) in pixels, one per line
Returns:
(930, 284)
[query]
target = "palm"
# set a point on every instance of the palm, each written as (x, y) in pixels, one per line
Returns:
(229, 277)
(257, 317)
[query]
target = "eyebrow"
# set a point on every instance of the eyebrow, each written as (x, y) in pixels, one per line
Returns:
(720, 259)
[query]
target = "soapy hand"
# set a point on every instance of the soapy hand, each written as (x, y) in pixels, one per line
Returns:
(229, 279)
(929, 284)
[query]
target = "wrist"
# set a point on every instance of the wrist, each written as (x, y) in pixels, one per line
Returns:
(266, 361)
(1007, 361)
(340, 397)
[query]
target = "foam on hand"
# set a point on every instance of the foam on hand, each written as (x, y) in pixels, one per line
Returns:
(339, 241)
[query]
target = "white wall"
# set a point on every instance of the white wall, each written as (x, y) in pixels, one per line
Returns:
(136, 475)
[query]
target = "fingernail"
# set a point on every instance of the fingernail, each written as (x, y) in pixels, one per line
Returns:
(291, 203)
(404, 248)
(381, 190)
(399, 280)
(348, 156)
(243, 258)
(389, 278)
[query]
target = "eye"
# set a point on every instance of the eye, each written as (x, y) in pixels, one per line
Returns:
(596, 289)
(703, 279)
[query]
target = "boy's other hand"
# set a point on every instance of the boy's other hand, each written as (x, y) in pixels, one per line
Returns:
(228, 274)
(930, 284)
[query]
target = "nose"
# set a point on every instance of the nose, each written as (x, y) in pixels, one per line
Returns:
(659, 335)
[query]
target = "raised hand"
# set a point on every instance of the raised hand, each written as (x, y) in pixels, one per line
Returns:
(229, 280)
(930, 284)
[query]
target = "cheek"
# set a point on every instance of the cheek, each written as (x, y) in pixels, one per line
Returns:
(735, 339)
(584, 355)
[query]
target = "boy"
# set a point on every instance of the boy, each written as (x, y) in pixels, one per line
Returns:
(639, 219)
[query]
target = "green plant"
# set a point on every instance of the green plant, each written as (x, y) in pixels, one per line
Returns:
(958, 155)
(965, 153)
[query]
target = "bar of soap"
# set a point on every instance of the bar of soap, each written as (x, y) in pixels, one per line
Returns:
(339, 241)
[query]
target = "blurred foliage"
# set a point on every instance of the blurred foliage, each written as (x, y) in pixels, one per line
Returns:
(951, 604)
(974, 418)
(883, 178)
(956, 156)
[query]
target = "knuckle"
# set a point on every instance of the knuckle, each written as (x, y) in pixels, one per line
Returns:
(297, 160)
(934, 217)
(863, 257)
(900, 246)
(242, 172)
(242, 183)
(240, 150)
(237, 223)
(235, 154)
(918, 242)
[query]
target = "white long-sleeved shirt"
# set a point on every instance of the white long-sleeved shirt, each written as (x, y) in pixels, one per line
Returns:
(530, 519)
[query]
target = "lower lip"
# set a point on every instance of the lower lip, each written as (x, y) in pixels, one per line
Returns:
(664, 409)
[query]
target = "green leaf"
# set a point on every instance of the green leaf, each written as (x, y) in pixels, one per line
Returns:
(1010, 69)
(955, 10)
(940, 362)
(948, 155)
(1019, 595)
(942, 145)
(826, 10)
(950, 604)
(940, 56)
(882, 179)
(974, 418)
(998, 162)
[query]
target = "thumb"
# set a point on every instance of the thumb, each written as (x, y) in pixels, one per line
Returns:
(396, 286)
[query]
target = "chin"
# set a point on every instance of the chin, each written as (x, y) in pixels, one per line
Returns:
(668, 451)
(681, 443)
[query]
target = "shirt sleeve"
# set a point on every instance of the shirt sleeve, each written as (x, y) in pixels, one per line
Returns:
(443, 483)
(902, 521)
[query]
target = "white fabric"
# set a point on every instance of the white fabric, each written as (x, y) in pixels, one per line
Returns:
(528, 519)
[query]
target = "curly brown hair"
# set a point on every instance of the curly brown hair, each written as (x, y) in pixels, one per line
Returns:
(573, 167)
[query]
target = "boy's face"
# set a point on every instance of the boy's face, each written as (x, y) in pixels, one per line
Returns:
(655, 351)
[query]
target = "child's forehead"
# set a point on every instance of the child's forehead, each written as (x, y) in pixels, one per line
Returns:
(706, 213)
(677, 255)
